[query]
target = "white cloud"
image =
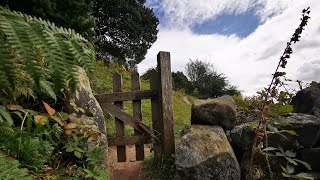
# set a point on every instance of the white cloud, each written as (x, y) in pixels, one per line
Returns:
(185, 13)
(248, 62)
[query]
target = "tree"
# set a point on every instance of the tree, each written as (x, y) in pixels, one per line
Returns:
(125, 29)
(146, 75)
(74, 14)
(206, 82)
(180, 81)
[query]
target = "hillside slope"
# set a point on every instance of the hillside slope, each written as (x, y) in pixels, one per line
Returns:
(101, 82)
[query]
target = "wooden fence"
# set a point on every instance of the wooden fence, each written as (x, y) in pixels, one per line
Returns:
(160, 94)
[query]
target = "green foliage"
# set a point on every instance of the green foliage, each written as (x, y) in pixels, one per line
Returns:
(206, 82)
(289, 170)
(34, 51)
(125, 29)
(10, 169)
(180, 81)
(74, 14)
(97, 173)
(5, 116)
(31, 151)
(162, 171)
(146, 75)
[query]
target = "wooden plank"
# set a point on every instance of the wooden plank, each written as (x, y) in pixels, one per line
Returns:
(117, 87)
(156, 117)
(132, 140)
(125, 117)
(126, 96)
(167, 136)
(136, 106)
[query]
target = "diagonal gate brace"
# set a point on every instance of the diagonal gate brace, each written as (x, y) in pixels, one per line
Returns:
(125, 117)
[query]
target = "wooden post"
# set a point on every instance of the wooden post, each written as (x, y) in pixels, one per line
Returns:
(117, 87)
(136, 106)
(156, 118)
(166, 114)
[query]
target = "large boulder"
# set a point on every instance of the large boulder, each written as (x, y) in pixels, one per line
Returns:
(311, 156)
(308, 100)
(307, 128)
(85, 99)
(220, 111)
(204, 153)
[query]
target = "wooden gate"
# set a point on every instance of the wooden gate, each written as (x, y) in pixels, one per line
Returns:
(160, 94)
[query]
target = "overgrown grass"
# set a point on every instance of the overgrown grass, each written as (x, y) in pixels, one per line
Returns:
(163, 171)
(101, 82)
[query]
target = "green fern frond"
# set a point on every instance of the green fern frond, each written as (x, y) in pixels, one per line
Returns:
(6, 131)
(32, 49)
(6, 115)
(10, 169)
(46, 87)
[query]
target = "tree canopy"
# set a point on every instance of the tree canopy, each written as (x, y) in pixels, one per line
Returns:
(125, 29)
(122, 29)
(206, 82)
(74, 14)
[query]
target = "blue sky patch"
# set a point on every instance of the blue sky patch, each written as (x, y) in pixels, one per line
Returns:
(241, 25)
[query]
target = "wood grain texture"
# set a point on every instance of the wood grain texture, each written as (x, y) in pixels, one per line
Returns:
(117, 87)
(132, 140)
(137, 114)
(156, 117)
(167, 136)
(126, 96)
(123, 116)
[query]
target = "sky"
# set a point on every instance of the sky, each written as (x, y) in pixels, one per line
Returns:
(243, 39)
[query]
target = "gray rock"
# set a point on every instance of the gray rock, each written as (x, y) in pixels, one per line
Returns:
(306, 126)
(204, 153)
(220, 111)
(85, 99)
(241, 138)
(307, 100)
(311, 156)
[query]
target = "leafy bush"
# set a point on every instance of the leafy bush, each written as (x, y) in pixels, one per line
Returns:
(10, 169)
(206, 82)
(180, 81)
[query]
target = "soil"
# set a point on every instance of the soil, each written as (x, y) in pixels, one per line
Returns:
(130, 170)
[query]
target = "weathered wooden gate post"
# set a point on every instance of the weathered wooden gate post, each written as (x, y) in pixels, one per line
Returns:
(165, 123)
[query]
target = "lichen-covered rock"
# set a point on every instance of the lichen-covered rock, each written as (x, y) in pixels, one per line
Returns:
(85, 99)
(306, 126)
(220, 111)
(308, 100)
(204, 153)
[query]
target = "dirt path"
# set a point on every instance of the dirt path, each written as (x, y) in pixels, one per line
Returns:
(130, 170)
(186, 99)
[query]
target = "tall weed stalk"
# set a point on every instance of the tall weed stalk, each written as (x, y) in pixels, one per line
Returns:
(271, 91)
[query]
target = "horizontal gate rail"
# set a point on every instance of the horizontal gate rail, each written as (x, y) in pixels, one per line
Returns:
(126, 96)
(128, 140)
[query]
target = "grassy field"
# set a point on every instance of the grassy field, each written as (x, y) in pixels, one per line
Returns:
(101, 82)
